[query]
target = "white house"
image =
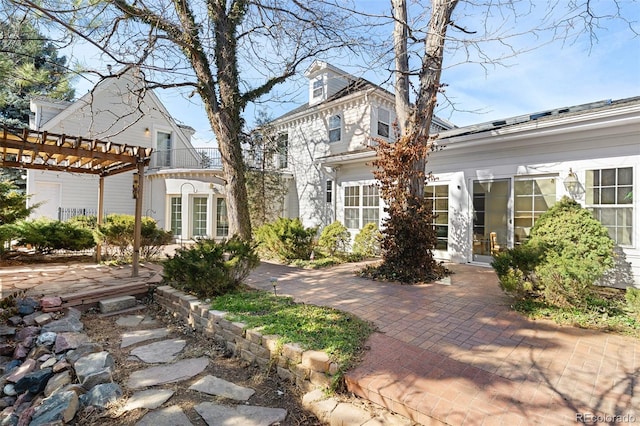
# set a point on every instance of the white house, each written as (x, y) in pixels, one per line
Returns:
(494, 177)
(182, 187)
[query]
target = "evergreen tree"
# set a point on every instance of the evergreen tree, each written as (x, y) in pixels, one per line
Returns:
(29, 66)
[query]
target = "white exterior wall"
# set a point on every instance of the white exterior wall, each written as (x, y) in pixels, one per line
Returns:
(110, 113)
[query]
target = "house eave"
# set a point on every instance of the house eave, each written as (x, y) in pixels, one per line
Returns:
(347, 158)
(204, 175)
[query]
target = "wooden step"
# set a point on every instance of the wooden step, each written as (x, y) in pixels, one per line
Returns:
(90, 298)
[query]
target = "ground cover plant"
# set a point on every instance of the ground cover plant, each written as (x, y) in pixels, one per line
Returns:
(339, 334)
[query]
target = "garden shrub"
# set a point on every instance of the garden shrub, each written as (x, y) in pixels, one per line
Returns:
(567, 253)
(209, 268)
(334, 239)
(367, 241)
(46, 236)
(515, 267)
(117, 235)
(285, 239)
(632, 296)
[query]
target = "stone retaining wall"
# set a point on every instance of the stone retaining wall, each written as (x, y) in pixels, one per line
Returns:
(307, 369)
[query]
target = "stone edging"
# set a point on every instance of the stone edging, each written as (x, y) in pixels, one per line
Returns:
(307, 369)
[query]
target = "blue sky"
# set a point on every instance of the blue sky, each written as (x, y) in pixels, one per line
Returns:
(550, 76)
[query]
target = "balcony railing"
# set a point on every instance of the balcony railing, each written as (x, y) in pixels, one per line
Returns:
(196, 158)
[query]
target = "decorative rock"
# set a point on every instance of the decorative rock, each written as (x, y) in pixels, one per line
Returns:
(57, 382)
(160, 352)
(97, 378)
(49, 363)
(61, 365)
(170, 373)
(43, 319)
(66, 341)
(48, 303)
(6, 349)
(149, 399)
(9, 389)
(169, 416)
(92, 364)
(27, 332)
(239, 415)
(5, 330)
(48, 338)
(70, 323)
(133, 337)
(34, 382)
(61, 406)
(21, 351)
(17, 320)
(215, 386)
(27, 306)
(25, 368)
(82, 350)
(101, 395)
(12, 365)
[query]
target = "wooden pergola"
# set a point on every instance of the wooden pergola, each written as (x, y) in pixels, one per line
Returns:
(30, 149)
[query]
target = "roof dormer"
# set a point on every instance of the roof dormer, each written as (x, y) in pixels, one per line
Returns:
(325, 80)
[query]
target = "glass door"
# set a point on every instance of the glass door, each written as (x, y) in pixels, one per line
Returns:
(491, 217)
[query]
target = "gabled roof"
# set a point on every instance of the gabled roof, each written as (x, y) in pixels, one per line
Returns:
(354, 86)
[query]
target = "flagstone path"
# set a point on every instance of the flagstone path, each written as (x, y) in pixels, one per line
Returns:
(160, 352)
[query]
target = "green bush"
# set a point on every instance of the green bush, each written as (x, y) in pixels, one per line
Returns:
(567, 253)
(285, 239)
(515, 267)
(48, 235)
(210, 269)
(117, 235)
(334, 239)
(367, 241)
(632, 296)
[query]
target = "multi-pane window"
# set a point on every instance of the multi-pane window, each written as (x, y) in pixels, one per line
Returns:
(199, 216)
(361, 206)
(222, 221)
(383, 122)
(176, 215)
(283, 151)
(164, 149)
(609, 194)
(532, 197)
(352, 207)
(335, 128)
(329, 192)
(318, 88)
(439, 197)
(370, 204)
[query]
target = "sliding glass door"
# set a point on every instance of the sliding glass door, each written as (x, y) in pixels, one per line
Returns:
(491, 215)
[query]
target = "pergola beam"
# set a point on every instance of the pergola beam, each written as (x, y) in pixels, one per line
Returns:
(30, 149)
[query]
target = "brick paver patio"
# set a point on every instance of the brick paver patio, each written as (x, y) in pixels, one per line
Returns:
(455, 353)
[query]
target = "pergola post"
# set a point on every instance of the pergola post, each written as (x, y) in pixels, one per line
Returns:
(138, 191)
(100, 215)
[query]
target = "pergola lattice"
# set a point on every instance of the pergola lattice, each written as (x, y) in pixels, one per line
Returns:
(30, 149)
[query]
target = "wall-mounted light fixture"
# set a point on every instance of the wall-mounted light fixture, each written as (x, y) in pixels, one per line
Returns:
(571, 182)
(147, 132)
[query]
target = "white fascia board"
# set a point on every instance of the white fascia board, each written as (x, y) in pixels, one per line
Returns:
(614, 119)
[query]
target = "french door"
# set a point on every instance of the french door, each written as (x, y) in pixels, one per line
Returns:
(491, 214)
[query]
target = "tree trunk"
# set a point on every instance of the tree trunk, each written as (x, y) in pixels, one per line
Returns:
(227, 121)
(400, 36)
(430, 72)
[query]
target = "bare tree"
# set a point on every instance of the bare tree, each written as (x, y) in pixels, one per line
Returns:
(228, 52)
(409, 237)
